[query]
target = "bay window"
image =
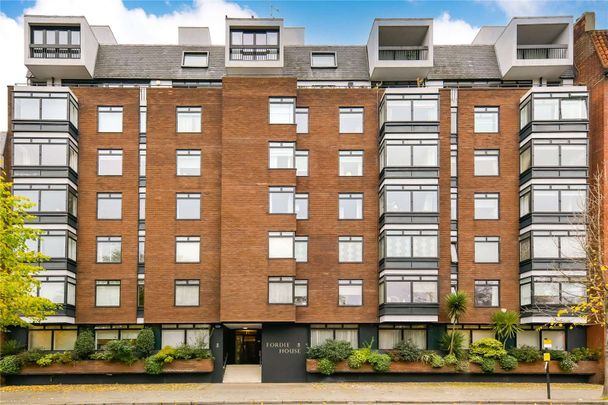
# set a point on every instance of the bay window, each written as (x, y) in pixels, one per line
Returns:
(409, 107)
(409, 153)
(408, 199)
(408, 244)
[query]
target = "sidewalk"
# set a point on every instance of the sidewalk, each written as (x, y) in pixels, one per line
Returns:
(312, 393)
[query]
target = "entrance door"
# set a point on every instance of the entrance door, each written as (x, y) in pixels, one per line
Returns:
(247, 347)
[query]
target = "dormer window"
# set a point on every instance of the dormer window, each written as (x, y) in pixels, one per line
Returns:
(195, 59)
(55, 42)
(254, 44)
(323, 60)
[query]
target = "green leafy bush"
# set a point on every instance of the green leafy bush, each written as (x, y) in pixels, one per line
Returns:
(558, 355)
(152, 366)
(334, 350)
(488, 348)
(526, 354)
(452, 344)
(102, 355)
(508, 362)
(450, 360)
(45, 360)
(475, 359)
(585, 354)
(10, 365)
(380, 362)
(567, 364)
(326, 366)
(432, 359)
(120, 350)
(407, 350)
(314, 352)
(11, 347)
(63, 357)
(462, 365)
(144, 344)
(30, 356)
(505, 325)
(85, 344)
(358, 358)
(488, 365)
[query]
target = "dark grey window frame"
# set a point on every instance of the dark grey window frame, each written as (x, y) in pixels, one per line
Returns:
(487, 110)
(188, 53)
(348, 283)
(188, 239)
(109, 283)
(281, 280)
(486, 283)
(107, 239)
(187, 282)
(109, 196)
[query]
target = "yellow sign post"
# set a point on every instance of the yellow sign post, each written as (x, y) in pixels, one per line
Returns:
(547, 344)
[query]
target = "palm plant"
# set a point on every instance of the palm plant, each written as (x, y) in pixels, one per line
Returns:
(505, 325)
(456, 304)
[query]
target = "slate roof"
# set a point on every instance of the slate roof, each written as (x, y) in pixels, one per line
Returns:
(451, 62)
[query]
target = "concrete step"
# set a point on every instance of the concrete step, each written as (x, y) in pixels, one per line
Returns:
(243, 373)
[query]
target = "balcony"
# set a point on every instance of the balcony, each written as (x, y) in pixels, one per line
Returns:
(403, 53)
(542, 51)
(55, 52)
(255, 44)
(254, 54)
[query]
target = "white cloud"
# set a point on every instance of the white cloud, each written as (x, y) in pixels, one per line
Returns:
(522, 8)
(133, 26)
(447, 31)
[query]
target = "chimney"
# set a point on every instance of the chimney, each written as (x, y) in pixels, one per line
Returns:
(194, 36)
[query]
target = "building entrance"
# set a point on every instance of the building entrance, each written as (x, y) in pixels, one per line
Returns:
(246, 346)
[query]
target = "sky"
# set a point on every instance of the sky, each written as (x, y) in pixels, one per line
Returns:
(326, 22)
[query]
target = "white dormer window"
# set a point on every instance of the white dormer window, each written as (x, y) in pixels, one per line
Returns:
(323, 60)
(195, 59)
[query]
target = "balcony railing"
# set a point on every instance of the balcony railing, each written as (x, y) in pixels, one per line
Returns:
(403, 53)
(254, 54)
(55, 52)
(542, 52)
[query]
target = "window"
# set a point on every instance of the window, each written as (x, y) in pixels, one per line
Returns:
(189, 119)
(44, 106)
(321, 333)
(486, 205)
(486, 119)
(282, 110)
(109, 249)
(525, 159)
(142, 160)
(410, 107)
(302, 163)
(558, 198)
(350, 293)
(187, 249)
(351, 120)
(141, 248)
(574, 109)
(409, 153)
(143, 114)
(323, 59)
(44, 152)
(550, 109)
(453, 163)
(350, 206)
(109, 205)
(408, 244)
(410, 199)
(552, 154)
(557, 337)
(52, 339)
(188, 162)
(107, 293)
(104, 334)
(486, 162)
(487, 249)
(528, 338)
(48, 198)
(301, 120)
(300, 293)
(109, 119)
(557, 244)
(408, 289)
(109, 162)
(302, 206)
(281, 200)
(176, 335)
(187, 293)
(487, 293)
(195, 59)
(55, 244)
(350, 249)
(281, 155)
(188, 206)
(389, 338)
(301, 249)
(280, 290)
(142, 204)
(281, 245)
(351, 162)
(454, 206)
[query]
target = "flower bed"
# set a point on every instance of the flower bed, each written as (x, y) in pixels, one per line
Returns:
(584, 368)
(110, 367)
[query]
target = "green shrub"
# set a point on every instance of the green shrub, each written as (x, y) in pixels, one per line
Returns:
(11, 347)
(454, 346)
(380, 362)
(45, 360)
(30, 356)
(85, 344)
(526, 354)
(558, 355)
(488, 348)
(584, 353)
(334, 350)
(63, 358)
(152, 366)
(184, 352)
(120, 350)
(10, 365)
(102, 355)
(358, 358)
(567, 364)
(475, 359)
(462, 365)
(508, 362)
(407, 350)
(326, 366)
(144, 344)
(450, 360)
(487, 365)
(432, 359)
(314, 352)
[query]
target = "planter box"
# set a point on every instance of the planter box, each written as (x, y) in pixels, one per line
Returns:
(584, 368)
(108, 367)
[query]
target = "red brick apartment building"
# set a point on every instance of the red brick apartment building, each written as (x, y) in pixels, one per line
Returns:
(267, 193)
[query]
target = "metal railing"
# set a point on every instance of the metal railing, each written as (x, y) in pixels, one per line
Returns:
(542, 52)
(403, 53)
(254, 54)
(55, 52)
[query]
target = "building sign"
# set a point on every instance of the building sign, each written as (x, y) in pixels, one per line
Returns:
(284, 353)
